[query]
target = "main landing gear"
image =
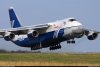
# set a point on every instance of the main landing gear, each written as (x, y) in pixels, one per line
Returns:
(55, 47)
(71, 41)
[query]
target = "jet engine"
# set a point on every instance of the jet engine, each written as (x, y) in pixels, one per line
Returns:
(9, 36)
(33, 33)
(92, 35)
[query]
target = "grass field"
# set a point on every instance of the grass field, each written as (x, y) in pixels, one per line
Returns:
(49, 59)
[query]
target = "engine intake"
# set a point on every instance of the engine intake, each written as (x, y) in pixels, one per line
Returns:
(92, 36)
(33, 33)
(9, 36)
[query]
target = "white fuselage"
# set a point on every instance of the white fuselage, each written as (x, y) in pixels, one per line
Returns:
(66, 23)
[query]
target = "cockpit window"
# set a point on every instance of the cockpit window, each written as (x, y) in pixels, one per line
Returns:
(72, 20)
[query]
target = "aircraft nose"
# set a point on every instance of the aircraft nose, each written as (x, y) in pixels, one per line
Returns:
(78, 23)
(78, 29)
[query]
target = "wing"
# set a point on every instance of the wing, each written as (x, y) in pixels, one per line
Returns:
(23, 30)
(87, 31)
(2, 33)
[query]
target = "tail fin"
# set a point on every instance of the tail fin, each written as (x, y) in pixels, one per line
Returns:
(13, 18)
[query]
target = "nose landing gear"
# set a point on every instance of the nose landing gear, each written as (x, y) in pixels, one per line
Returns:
(71, 41)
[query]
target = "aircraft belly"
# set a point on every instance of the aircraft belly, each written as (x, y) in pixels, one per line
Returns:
(45, 39)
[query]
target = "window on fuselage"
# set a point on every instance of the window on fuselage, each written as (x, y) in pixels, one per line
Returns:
(72, 20)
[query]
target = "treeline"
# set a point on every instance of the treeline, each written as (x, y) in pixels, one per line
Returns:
(18, 51)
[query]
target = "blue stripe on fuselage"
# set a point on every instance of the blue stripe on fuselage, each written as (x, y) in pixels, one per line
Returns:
(29, 42)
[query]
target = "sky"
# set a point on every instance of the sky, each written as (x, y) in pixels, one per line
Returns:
(32, 12)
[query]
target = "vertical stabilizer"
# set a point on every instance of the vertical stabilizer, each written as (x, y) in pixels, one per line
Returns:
(13, 18)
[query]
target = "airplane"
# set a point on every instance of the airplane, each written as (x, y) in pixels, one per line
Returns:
(45, 35)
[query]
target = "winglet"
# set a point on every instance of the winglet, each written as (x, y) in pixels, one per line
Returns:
(13, 18)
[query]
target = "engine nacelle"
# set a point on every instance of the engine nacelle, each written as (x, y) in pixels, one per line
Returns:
(9, 36)
(33, 33)
(92, 35)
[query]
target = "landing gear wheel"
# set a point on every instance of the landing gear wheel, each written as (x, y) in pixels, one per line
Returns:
(73, 42)
(58, 46)
(68, 42)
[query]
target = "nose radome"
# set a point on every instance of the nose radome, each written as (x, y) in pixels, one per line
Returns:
(79, 23)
